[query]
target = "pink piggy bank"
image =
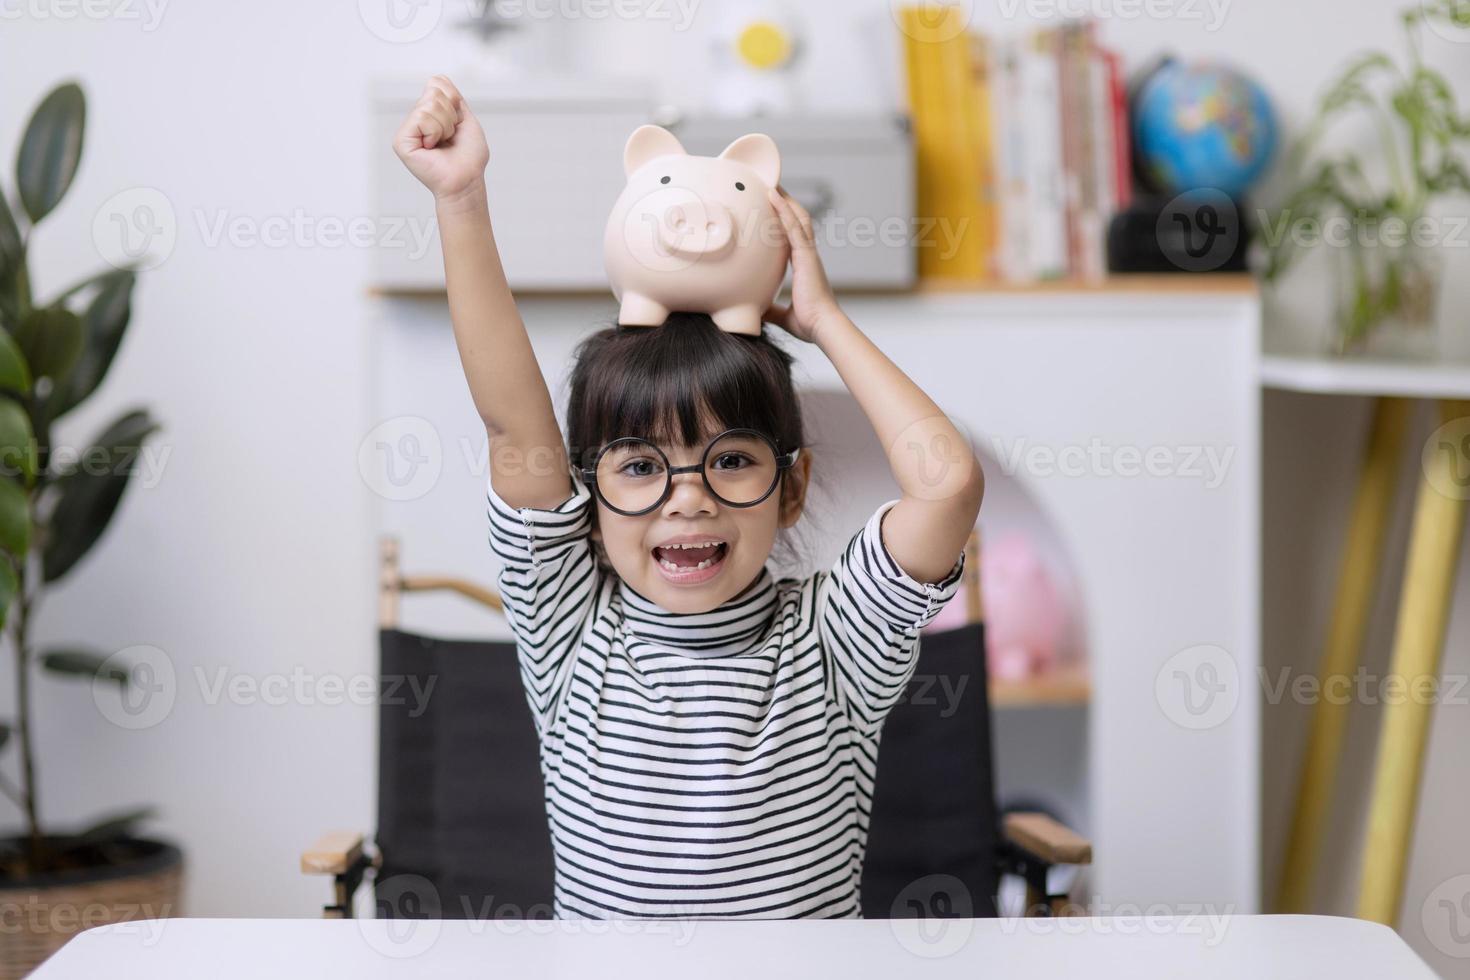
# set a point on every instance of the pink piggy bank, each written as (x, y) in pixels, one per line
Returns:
(696, 234)
(1024, 614)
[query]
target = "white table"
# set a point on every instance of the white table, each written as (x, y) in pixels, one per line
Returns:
(1199, 947)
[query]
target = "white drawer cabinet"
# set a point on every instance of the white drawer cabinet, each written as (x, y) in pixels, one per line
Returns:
(556, 152)
(556, 169)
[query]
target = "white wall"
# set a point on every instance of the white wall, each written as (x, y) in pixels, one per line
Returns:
(254, 552)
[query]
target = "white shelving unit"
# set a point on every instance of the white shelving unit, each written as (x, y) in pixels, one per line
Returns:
(1120, 423)
(1100, 407)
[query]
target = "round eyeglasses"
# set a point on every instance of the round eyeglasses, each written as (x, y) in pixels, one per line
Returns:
(740, 468)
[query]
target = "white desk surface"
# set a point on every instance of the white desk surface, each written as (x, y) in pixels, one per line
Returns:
(1323, 375)
(1199, 947)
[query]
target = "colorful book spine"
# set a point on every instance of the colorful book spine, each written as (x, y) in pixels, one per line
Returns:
(1011, 167)
(956, 223)
(1043, 137)
(1122, 145)
(987, 212)
(1104, 198)
(1021, 152)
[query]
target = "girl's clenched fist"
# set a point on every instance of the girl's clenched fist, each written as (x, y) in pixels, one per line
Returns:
(441, 143)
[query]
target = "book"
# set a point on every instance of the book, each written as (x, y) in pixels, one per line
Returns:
(987, 215)
(1042, 122)
(1010, 166)
(1103, 184)
(1122, 139)
(1021, 149)
(947, 84)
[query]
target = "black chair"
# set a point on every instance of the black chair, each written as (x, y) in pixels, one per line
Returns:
(461, 809)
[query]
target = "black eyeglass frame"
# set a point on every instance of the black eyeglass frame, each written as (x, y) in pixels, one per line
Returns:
(784, 461)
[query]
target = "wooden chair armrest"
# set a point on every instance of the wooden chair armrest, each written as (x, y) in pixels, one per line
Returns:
(333, 854)
(1047, 840)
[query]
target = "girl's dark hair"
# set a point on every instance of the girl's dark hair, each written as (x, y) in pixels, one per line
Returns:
(674, 384)
(669, 384)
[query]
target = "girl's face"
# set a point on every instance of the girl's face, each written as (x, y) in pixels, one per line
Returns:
(692, 514)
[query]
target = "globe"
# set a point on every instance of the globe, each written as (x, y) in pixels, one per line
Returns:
(1200, 126)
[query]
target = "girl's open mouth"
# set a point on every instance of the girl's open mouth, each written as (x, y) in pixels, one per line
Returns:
(690, 566)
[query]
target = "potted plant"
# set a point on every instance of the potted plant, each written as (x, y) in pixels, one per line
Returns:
(54, 506)
(1375, 212)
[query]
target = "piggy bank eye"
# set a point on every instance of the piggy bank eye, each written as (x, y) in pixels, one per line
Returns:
(665, 180)
(739, 186)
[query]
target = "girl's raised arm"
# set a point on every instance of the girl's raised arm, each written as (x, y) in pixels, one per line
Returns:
(443, 145)
(941, 480)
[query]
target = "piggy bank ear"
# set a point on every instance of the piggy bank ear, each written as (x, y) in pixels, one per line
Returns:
(758, 152)
(647, 143)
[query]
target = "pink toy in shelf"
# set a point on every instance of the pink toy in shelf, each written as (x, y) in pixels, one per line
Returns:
(1024, 615)
(1025, 618)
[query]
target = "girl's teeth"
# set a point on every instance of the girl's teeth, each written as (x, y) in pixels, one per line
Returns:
(686, 568)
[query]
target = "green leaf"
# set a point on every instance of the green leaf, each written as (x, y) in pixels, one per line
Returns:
(15, 519)
(15, 374)
(89, 494)
(11, 248)
(91, 282)
(17, 295)
(116, 825)
(17, 446)
(1351, 86)
(83, 663)
(51, 340)
(103, 325)
(12, 267)
(8, 587)
(51, 150)
(1452, 177)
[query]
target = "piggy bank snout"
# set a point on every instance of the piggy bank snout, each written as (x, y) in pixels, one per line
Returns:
(692, 226)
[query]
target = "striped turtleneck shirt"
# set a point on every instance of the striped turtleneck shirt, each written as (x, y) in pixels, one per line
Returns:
(716, 764)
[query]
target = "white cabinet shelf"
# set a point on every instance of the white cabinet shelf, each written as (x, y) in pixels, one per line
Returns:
(1166, 554)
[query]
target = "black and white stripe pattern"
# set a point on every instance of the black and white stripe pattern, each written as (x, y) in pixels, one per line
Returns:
(715, 764)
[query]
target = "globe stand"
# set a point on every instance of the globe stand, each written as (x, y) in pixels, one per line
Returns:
(1198, 231)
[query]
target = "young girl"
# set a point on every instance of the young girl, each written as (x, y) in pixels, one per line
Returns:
(709, 735)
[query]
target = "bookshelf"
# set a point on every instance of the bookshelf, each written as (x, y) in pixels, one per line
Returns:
(1163, 562)
(1061, 688)
(1224, 283)
(1229, 284)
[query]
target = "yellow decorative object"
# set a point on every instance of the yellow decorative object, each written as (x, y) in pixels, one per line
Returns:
(1418, 643)
(1362, 556)
(949, 102)
(764, 45)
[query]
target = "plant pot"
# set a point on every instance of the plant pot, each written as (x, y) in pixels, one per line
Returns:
(39, 913)
(1387, 298)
